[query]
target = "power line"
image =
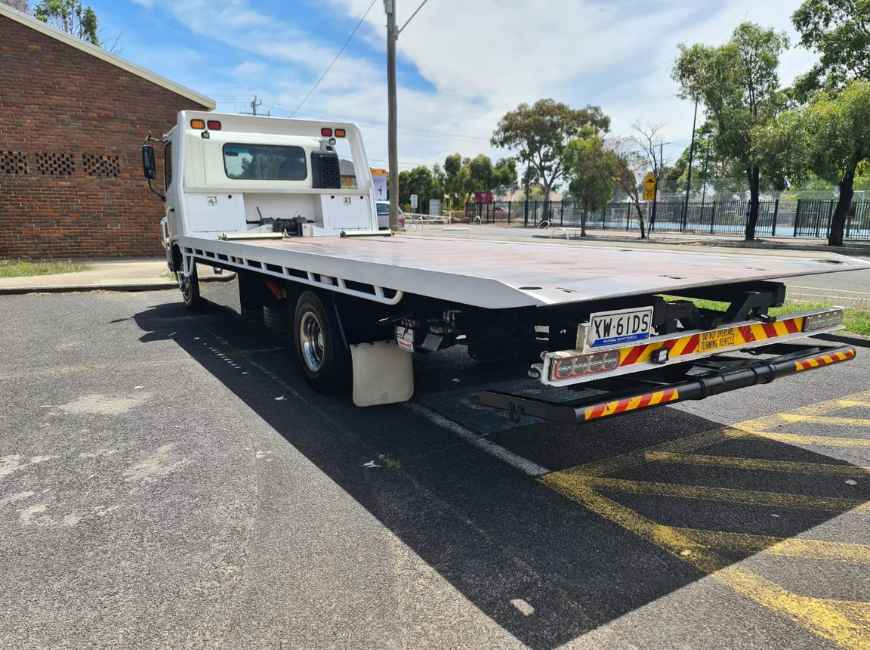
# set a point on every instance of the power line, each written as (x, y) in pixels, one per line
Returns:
(424, 132)
(416, 11)
(337, 56)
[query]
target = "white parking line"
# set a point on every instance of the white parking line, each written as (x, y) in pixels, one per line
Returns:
(517, 462)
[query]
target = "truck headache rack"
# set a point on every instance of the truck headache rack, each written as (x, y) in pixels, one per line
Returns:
(706, 377)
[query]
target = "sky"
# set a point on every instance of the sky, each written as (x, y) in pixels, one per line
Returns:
(462, 63)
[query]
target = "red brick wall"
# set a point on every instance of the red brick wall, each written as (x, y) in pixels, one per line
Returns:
(76, 121)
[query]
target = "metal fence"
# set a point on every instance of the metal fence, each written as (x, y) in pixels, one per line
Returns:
(802, 218)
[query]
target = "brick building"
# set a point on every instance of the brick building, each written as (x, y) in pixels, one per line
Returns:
(73, 118)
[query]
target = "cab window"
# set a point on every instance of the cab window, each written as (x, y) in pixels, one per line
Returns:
(264, 162)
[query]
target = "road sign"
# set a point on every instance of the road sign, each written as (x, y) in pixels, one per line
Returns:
(649, 187)
(413, 201)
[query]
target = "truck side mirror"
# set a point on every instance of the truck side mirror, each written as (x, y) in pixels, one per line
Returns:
(149, 164)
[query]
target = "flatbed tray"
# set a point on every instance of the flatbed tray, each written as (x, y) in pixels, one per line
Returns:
(496, 274)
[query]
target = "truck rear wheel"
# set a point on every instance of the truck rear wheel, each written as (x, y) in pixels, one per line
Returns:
(320, 346)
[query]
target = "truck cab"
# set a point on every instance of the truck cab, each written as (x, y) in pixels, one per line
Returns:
(229, 174)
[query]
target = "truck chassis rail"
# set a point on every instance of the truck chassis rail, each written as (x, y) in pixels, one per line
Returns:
(718, 374)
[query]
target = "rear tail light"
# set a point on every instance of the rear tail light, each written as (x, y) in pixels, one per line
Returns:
(197, 124)
(326, 132)
(340, 133)
(583, 364)
(214, 125)
(823, 321)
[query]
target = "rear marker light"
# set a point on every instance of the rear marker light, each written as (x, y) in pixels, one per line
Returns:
(197, 124)
(824, 321)
(214, 125)
(326, 132)
(583, 364)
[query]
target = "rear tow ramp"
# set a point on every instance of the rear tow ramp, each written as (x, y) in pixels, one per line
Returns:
(691, 381)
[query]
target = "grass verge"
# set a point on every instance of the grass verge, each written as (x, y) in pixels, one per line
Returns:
(856, 321)
(11, 268)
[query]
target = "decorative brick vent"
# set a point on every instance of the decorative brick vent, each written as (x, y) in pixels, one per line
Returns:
(101, 165)
(13, 162)
(55, 164)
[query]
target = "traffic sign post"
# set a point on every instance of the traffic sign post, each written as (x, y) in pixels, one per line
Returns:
(649, 187)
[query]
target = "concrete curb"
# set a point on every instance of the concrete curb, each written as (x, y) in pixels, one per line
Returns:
(72, 288)
(152, 286)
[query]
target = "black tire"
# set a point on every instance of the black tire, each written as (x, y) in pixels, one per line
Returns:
(320, 347)
(190, 290)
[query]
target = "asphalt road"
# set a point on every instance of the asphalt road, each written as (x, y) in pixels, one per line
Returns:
(168, 480)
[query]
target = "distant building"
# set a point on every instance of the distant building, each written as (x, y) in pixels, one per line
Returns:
(73, 118)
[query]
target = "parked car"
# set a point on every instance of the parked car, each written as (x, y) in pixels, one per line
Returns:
(384, 215)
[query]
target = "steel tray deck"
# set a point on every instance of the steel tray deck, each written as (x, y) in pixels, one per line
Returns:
(495, 274)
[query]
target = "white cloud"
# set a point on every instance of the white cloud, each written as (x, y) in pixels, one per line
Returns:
(479, 59)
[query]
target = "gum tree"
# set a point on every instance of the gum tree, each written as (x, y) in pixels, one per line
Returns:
(739, 87)
(69, 16)
(540, 133)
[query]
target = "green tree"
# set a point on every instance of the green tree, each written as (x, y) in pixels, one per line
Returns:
(505, 176)
(839, 30)
(69, 16)
(838, 127)
(419, 181)
(455, 180)
(739, 87)
(829, 137)
(541, 132)
(481, 177)
(463, 176)
(590, 168)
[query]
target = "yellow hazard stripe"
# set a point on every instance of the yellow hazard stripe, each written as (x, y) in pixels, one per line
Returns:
(823, 360)
(743, 334)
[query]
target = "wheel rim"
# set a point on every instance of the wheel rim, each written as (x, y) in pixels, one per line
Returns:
(311, 341)
(184, 284)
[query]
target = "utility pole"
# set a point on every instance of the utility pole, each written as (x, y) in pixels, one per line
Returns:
(255, 103)
(392, 109)
(657, 171)
(704, 186)
(691, 157)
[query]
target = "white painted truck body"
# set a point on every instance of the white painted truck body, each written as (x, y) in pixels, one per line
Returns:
(216, 210)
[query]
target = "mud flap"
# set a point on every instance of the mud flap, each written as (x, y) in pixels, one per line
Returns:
(382, 374)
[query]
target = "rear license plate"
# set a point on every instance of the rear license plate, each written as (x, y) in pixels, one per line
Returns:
(716, 340)
(621, 326)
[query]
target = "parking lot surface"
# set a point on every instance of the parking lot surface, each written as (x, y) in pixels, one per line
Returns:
(168, 480)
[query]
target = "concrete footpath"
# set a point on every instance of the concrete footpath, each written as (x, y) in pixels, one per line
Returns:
(107, 275)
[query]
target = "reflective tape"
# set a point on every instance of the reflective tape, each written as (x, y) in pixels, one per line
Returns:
(711, 341)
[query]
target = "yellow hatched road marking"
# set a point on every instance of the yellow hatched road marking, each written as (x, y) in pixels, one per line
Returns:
(759, 464)
(809, 549)
(853, 403)
(634, 458)
(570, 480)
(825, 419)
(843, 623)
(821, 408)
(800, 439)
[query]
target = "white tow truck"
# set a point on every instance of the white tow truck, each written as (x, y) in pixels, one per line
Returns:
(614, 329)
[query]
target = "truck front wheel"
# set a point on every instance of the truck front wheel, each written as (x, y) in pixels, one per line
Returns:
(189, 287)
(320, 346)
